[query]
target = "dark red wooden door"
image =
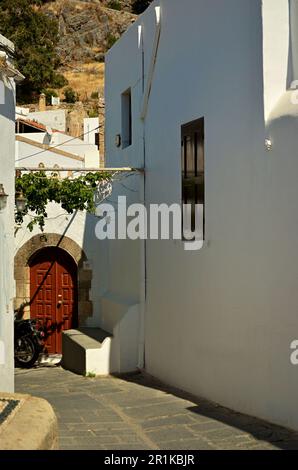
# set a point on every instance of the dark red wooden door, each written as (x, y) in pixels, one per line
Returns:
(53, 294)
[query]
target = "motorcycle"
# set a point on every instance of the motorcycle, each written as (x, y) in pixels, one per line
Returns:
(29, 338)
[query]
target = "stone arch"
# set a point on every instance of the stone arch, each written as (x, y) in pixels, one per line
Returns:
(22, 272)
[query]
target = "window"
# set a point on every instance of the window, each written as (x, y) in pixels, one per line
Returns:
(193, 178)
(96, 140)
(126, 119)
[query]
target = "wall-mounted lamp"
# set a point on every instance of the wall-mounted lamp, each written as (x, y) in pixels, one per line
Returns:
(3, 198)
(21, 202)
(118, 140)
(268, 145)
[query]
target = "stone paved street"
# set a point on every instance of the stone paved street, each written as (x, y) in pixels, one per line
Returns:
(138, 413)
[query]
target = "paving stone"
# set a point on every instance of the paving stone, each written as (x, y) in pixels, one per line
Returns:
(143, 413)
(170, 434)
(107, 428)
(133, 413)
(129, 439)
(72, 418)
(102, 418)
(128, 447)
(66, 441)
(190, 444)
(223, 433)
(168, 421)
(207, 425)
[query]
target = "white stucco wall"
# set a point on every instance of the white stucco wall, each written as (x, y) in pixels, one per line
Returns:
(276, 40)
(7, 116)
(91, 127)
(219, 322)
(62, 141)
(56, 119)
(79, 227)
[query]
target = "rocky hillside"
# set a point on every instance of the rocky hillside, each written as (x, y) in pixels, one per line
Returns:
(89, 28)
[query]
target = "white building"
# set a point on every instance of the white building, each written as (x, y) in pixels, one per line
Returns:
(217, 322)
(8, 75)
(52, 142)
(68, 243)
(56, 118)
(91, 131)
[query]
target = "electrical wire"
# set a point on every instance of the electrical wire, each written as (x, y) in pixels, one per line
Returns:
(58, 145)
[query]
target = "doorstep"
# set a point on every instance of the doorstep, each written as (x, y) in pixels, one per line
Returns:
(27, 423)
(50, 360)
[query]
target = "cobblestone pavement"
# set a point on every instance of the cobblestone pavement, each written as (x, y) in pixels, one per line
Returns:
(139, 413)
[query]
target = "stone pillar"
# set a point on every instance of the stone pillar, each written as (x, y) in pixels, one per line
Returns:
(42, 105)
(75, 120)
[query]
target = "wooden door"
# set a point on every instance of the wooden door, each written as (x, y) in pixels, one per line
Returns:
(53, 294)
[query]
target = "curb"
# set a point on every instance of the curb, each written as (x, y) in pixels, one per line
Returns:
(32, 426)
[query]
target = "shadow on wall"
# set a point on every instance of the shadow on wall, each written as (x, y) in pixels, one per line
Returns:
(7, 104)
(114, 292)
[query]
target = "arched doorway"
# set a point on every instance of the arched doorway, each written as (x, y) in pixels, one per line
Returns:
(54, 294)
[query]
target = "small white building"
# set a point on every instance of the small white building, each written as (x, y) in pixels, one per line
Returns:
(67, 245)
(55, 118)
(8, 76)
(91, 131)
(36, 136)
(218, 322)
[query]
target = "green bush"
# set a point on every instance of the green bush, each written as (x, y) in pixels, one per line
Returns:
(59, 81)
(70, 96)
(115, 5)
(49, 93)
(92, 113)
(36, 37)
(94, 95)
(111, 39)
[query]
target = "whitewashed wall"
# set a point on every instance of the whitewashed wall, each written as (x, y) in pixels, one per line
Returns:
(91, 127)
(219, 322)
(56, 119)
(63, 142)
(79, 227)
(7, 135)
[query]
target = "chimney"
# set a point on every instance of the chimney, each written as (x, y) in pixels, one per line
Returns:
(42, 102)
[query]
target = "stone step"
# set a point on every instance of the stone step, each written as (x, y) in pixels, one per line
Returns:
(87, 351)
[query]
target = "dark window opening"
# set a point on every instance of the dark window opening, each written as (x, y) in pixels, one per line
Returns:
(193, 173)
(126, 119)
(97, 141)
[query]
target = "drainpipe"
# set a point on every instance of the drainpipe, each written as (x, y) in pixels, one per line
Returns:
(141, 354)
(143, 255)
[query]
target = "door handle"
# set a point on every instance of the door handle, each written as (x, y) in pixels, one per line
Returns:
(60, 301)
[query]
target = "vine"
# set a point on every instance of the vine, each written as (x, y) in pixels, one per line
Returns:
(73, 194)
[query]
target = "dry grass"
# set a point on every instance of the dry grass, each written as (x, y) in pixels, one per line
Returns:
(85, 79)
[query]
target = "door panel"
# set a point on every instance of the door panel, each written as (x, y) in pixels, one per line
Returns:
(53, 299)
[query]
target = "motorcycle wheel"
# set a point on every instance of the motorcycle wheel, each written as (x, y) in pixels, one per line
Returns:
(26, 353)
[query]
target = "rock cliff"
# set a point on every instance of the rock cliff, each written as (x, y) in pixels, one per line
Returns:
(89, 28)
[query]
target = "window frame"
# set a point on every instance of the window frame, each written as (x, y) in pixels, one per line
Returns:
(126, 119)
(195, 182)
